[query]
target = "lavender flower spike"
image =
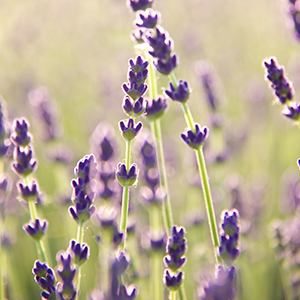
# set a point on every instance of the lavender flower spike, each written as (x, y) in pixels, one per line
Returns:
(181, 93)
(81, 252)
(283, 88)
(29, 192)
(133, 109)
(24, 162)
(195, 139)
(173, 281)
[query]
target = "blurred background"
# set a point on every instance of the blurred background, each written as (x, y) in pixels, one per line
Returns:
(79, 51)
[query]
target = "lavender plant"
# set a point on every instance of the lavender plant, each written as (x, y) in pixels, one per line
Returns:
(154, 182)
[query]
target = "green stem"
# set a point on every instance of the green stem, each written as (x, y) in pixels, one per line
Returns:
(166, 204)
(32, 211)
(172, 295)
(79, 240)
(188, 116)
(208, 202)
(181, 292)
(152, 81)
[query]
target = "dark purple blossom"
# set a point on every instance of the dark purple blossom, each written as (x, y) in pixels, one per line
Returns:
(28, 192)
(283, 88)
(139, 4)
(82, 211)
(134, 90)
(133, 108)
(24, 163)
(86, 170)
(138, 71)
(160, 43)
(229, 236)
(148, 19)
(180, 93)
(66, 271)
(156, 108)
(36, 229)
(195, 139)
(173, 281)
(165, 67)
(292, 111)
(81, 252)
(45, 278)
(126, 178)
(20, 135)
(130, 131)
(176, 248)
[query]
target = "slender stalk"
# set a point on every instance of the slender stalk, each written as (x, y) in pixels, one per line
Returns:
(79, 240)
(204, 179)
(156, 265)
(156, 132)
(208, 202)
(125, 198)
(172, 295)
(166, 204)
(181, 292)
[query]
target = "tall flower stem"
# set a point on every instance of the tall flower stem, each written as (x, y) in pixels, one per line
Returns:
(204, 179)
(125, 198)
(79, 240)
(172, 295)
(156, 132)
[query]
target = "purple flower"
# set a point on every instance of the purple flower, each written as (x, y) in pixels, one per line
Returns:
(66, 271)
(156, 108)
(20, 136)
(127, 293)
(139, 4)
(176, 248)
(173, 281)
(29, 192)
(133, 108)
(36, 229)
(81, 252)
(283, 88)
(222, 287)
(148, 19)
(45, 278)
(126, 178)
(165, 67)
(134, 90)
(180, 93)
(82, 211)
(24, 162)
(229, 235)
(160, 43)
(130, 131)
(292, 111)
(195, 139)
(294, 13)
(138, 71)
(86, 170)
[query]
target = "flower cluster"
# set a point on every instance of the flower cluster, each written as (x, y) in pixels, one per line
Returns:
(174, 260)
(195, 139)
(229, 232)
(83, 195)
(283, 88)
